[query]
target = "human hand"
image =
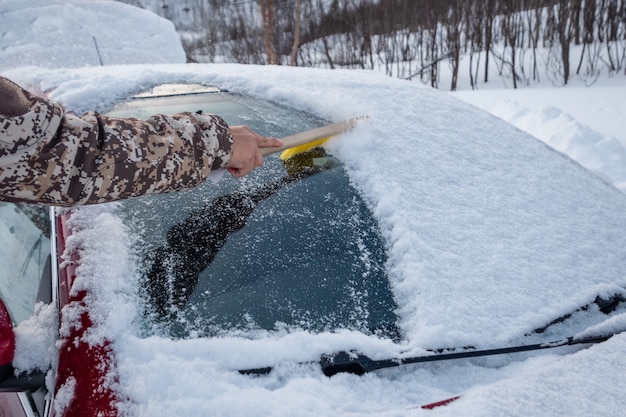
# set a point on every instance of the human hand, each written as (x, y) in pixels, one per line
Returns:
(246, 155)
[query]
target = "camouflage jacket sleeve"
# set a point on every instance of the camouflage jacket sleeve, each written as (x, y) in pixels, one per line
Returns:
(50, 157)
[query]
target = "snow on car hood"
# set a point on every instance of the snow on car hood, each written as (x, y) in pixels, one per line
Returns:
(490, 233)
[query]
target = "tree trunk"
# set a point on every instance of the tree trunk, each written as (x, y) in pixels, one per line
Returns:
(489, 18)
(267, 14)
(293, 58)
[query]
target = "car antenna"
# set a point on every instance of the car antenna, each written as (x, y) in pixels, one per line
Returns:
(95, 42)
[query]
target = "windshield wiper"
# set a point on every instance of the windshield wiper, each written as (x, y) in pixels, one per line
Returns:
(358, 364)
(346, 362)
(350, 362)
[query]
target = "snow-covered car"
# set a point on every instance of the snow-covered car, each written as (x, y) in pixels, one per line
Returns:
(430, 231)
(195, 280)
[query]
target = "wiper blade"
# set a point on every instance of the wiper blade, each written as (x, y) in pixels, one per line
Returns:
(346, 362)
(358, 364)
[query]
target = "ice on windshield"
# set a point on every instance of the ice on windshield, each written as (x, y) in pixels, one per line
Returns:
(293, 247)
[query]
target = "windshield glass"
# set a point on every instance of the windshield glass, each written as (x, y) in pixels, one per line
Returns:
(291, 246)
(25, 250)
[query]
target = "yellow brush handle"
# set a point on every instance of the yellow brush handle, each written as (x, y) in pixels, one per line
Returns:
(312, 135)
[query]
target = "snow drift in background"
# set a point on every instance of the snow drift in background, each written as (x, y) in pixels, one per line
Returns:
(582, 123)
(76, 33)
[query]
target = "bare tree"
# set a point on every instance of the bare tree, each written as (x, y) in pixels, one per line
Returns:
(268, 17)
(453, 39)
(473, 15)
(565, 35)
(614, 25)
(511, 28)
(405, 37)
(490, 15)
(293, 57)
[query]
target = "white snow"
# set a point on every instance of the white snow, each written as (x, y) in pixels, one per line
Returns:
(58, 33)
(585, 123)
(35, 338)
(490, 232)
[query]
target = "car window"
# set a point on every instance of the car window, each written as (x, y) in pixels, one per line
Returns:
(24, 254)
(292, 246)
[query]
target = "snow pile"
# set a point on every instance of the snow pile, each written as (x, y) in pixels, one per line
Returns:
(76, 33)
(35, 340)
(582, 123)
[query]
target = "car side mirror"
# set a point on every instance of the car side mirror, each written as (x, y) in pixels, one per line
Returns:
(7, 342)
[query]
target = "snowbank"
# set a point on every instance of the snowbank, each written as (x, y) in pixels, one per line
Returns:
(76, 33)
(583, 123)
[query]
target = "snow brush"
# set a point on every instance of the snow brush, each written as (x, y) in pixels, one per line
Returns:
(304, 141)
(300, 142)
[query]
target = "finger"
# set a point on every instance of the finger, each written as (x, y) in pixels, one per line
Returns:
(234, 172)
(238, 172)
(265, 142)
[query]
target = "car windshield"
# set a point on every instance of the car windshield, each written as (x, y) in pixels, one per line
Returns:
(24, 256)
(293, 246)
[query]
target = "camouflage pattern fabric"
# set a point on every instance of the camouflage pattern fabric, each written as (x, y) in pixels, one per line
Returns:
(50, 157)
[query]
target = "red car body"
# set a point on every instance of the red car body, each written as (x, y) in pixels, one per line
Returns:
(84, 371)
(89, 366)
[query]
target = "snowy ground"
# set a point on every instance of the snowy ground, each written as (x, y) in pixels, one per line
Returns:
(490, 233)
(586, 123)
